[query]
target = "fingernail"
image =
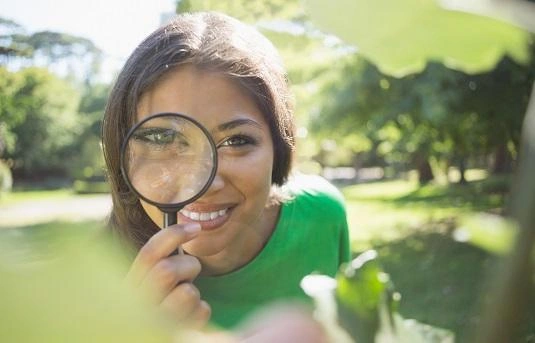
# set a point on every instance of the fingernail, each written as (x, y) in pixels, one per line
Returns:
(192, 227)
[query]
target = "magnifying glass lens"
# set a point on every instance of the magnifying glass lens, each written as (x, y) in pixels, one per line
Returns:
(169, 159)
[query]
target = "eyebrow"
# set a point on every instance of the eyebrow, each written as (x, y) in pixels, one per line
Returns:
(237, 122)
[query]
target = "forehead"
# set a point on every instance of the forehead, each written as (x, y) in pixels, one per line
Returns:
(208, 97)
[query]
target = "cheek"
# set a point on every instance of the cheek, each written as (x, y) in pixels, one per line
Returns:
(257, 177)
(153, 212)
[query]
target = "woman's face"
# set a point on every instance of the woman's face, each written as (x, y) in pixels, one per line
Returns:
(232, 210)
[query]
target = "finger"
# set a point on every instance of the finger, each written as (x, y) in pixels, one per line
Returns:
(201, 315)
(283, 324)
(182, 301)
(159, 246)
(169, 272)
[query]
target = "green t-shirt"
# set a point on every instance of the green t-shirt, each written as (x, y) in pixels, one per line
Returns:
(311, 236)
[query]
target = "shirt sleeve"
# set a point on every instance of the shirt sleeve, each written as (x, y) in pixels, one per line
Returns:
(345, 246)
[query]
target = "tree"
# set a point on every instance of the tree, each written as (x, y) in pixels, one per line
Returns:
(501, 97)
(10, 113)
(44, 123)
(69, 55)
(439, 113)
(9, 41)
(85, 157)
(44, 130)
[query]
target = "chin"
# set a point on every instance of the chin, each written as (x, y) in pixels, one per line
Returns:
(198, 248)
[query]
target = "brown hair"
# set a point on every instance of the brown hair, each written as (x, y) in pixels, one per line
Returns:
(212, 42)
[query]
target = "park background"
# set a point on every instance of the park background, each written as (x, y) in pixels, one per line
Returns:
(425, 152)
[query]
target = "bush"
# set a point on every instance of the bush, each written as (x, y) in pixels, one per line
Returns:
(91, 185)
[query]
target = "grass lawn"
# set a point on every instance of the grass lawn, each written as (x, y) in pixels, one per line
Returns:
(31, 195)
(442, 280)
(27, 208)
(34, 241)
(388, 210)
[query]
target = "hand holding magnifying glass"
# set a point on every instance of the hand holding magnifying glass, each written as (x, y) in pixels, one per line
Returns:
(169, 160)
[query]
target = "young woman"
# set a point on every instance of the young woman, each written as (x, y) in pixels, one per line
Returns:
(257, 231)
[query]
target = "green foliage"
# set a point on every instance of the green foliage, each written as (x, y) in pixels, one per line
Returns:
(349, 102)
(500, 99)
(11, 113)
(10, 38)
(94, 99)
(55, 45)
(44, 124)
(362, 287)
(6, 180)
(86, 160)
(247, 10)
(90, 186)
(46, 127)
(49, 49)
(439, 113)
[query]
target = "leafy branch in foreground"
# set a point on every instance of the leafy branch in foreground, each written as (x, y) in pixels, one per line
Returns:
(361, 305)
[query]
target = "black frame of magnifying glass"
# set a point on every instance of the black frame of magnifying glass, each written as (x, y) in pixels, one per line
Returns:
(171, 209)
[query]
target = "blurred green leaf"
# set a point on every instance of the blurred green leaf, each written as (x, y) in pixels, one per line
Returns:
(493, 233)
(362, 288)
(67, 287)
(418, 31)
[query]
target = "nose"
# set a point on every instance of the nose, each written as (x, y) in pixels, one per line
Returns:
(217, 184)
(224, 167)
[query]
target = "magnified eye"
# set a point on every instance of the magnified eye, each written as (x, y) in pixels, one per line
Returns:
(156, 136)
(161, 138)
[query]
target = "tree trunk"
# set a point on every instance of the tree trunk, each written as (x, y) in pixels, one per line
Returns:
(425, 173)
(462, 171)
(502, 160)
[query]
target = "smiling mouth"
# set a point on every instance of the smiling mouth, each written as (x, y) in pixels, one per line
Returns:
(204, 216)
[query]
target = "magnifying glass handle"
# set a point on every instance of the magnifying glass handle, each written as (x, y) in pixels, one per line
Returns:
(169, 218)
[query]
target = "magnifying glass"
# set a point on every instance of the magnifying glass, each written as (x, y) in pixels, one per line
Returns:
(169, 160)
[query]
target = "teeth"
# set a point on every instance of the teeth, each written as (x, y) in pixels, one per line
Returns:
(203, 216)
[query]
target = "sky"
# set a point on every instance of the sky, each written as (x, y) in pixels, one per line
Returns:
(114, 26)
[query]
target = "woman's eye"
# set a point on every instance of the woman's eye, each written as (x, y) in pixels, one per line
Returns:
(236, 141)
(160, 138)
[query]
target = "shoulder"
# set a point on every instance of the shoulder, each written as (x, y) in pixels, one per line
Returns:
(314, 191)
(318, 209)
